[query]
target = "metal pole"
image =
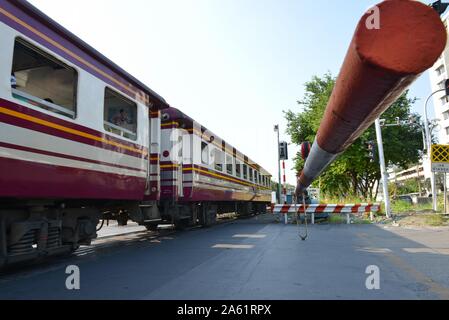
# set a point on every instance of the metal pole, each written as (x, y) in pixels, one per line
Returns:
(429, 150)
(424, 141)
(284, 181)
(445, 194)
(279, 168)
(285, 192)
(383, 168)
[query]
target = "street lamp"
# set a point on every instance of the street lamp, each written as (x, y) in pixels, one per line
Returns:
(429, 149)
(276, 129)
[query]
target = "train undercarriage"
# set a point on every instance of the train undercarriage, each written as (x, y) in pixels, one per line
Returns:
(33, 230)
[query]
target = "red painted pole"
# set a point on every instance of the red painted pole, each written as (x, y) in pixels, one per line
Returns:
(285, 183)
(379, 66)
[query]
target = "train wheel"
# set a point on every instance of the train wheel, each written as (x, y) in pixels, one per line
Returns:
(208, 215)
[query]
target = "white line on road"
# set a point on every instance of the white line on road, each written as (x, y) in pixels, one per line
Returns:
(233, 246)
(251, 236)
(427, 250)
(375, 250)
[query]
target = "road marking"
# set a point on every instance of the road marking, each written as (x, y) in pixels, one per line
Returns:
(251, 236)
(233, 246)
(374, 250)
(419, 250)
(443, 251)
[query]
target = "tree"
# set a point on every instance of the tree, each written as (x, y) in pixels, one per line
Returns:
(353, 173)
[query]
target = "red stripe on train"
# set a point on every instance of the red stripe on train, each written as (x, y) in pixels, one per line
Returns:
(24, 179)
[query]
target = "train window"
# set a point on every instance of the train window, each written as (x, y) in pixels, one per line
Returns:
(245, 172)
(238, 168)
(256, 180)
(218, 160)
(204, 153)
(229, 165)
(120, 115)
(259, 178)
(42, 80)
(251, 174)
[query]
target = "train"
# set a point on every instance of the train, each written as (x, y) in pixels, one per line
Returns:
(83, 141)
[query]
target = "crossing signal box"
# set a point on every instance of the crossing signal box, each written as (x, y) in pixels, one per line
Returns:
(283, 151)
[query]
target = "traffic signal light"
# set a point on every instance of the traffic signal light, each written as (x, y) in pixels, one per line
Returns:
(439, 6)
(283, 151)
(372, 151)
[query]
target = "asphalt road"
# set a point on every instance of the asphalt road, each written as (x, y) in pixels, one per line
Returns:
(248, 259)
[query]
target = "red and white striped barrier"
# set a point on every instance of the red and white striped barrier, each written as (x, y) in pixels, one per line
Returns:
(327, 208)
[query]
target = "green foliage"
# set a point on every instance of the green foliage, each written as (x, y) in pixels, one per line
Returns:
(336, 219)
(435, 220)
(342, 200)
(352, 174)
(400, 206)
(406, 187)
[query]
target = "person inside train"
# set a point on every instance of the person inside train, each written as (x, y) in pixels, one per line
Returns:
(121, 119)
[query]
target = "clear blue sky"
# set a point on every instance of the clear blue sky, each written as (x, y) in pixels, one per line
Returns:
(233, 65)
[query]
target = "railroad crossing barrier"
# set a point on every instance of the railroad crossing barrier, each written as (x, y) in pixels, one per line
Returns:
(324, 210)
(381, 63)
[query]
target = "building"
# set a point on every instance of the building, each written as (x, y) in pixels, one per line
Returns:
(414, 173)
(438, 75)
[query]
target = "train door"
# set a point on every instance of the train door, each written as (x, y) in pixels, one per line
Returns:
(179, 174)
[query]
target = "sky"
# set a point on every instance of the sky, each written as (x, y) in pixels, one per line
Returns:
(232, 65)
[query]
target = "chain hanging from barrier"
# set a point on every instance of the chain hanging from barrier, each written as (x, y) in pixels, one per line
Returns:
(303, 237)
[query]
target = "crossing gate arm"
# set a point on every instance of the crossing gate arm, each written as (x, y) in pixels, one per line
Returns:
(328, 208)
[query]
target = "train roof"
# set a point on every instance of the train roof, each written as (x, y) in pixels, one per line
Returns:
(177, 115)
(75, 40)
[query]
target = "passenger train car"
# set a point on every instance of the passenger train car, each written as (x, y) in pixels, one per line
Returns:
(202, 175)
(81, 140)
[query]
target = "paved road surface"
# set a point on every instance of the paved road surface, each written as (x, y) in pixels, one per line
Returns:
(248, 259)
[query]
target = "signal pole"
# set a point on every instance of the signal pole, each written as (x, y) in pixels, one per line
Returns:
(276, 129)
(429, 146)
(383, 168)
(284, 181)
